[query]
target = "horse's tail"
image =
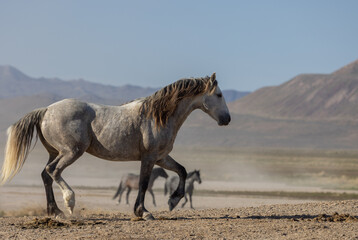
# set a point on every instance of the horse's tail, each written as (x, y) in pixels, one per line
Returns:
(18, 143)
(118, 191)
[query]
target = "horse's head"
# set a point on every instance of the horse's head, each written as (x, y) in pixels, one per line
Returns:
(214, 104)
(196, 176)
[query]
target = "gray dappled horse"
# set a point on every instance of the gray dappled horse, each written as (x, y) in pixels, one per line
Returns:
(142, 130)
(130, 181)
(172, 183)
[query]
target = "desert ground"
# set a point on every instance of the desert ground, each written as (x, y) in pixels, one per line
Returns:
(245, 194)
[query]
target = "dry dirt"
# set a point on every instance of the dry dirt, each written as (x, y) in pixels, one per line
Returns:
(97, 216)
(263, 220)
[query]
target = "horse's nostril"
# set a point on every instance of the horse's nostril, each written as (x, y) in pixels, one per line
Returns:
(224, 120)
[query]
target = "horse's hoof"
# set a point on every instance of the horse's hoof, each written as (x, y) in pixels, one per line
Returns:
(139, 212)
(171, 205)
(148, 216)
(53, 210)
(173, 202)
(70, 209)
(69, 200)
(60, 215)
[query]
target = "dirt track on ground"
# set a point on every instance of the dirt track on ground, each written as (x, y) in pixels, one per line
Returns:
(315, 220)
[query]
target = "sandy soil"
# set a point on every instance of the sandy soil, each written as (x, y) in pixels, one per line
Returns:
(97, 216)
(286, 221)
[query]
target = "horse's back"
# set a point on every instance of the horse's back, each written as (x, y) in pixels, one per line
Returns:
(69, 110)
(131, 180)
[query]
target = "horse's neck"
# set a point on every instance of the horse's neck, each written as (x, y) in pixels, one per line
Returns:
(190, 180)
(183, 110)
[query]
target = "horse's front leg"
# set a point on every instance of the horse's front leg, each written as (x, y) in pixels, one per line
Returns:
(146, 167)
(170, 164)
(185, 201)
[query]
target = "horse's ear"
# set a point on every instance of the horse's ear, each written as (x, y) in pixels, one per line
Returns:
(213, 77)
(213, 82)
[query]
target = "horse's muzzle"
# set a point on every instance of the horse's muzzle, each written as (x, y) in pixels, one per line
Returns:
(224, 119)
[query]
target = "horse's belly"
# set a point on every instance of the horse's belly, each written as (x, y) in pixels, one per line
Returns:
(114, 153)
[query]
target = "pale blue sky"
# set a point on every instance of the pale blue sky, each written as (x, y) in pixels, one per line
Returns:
(250, 44)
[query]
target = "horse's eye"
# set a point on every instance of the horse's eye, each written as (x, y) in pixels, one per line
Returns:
(219, 95)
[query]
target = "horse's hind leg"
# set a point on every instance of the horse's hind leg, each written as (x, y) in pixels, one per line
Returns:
(52, 208)
(127, 196)
(55, 168)
(119, 192)
(151, 193)
(170, 164)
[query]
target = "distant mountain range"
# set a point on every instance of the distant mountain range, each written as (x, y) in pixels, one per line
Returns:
(14, 83)
(307, 96)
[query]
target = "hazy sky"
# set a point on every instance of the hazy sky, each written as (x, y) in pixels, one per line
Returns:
(249, 44)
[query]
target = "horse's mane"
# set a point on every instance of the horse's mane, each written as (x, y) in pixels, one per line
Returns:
(163, 103)
(190, 174)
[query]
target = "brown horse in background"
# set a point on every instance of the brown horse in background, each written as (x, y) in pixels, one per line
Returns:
(130, 181)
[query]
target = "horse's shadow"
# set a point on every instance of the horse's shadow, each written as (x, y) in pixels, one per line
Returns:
(253, 217)
(308, 217)
(297, 217)
(278, 217)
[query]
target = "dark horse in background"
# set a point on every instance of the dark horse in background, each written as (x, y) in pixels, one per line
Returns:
(130, 181)
(142, 130)
(172, 183)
